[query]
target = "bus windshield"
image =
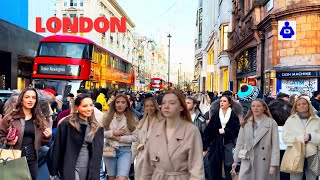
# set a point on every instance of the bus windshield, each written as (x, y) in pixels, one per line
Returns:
(156, 81)
(62, 87)
(58, 49)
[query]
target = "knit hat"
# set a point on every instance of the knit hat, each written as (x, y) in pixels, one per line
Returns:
(248, 93)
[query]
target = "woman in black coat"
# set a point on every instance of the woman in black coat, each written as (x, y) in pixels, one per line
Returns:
(221, 134)
(78, 146)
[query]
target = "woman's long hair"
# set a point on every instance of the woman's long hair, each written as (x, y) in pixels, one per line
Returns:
(131, 120)
(312, 113)
(184, 114)
(250, 116)
(74, 116)
(36, 110)
(157, 113)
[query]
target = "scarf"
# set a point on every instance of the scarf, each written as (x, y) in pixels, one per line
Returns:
(224, 118)
(303, 117)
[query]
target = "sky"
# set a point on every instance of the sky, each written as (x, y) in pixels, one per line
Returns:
(157, 18)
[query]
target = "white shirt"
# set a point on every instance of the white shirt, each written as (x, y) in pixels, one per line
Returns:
(193, 116)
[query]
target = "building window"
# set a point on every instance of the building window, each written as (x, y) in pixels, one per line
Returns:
(65, 2)
(224, 37)
(64, 15)
(72, 16)
(81, 2)
(73, 2)
(247, 61)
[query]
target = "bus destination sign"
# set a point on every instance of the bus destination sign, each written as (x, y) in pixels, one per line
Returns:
(59, 69)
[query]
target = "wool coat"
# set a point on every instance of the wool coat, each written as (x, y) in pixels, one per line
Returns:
(143, 136)
(263, 150)
(17, 119)
(293, 130)
(66, 148)
(180, 158)
(216, 141)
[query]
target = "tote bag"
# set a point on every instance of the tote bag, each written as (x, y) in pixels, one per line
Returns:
(9, 154)
(15, 169)
(293, 158)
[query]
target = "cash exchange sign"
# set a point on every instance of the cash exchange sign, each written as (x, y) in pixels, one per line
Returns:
(81, 25)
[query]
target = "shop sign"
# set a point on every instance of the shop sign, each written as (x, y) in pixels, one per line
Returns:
(252, 81)
(297, 74)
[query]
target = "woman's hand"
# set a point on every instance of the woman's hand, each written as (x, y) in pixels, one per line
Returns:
(234, 165)
(118, 132)
(13, 142)
(52, 177)
(204, 153)
(47, 132)
(306, 137)
(272, 170)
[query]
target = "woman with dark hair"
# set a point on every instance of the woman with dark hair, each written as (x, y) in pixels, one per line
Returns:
(151, 116)
(174, 150)
(259, 137)
(78, 145)
(221, 134)
(30, 122)
(120, 125)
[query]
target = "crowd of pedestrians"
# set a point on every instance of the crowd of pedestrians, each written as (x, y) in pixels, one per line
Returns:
(172, 135)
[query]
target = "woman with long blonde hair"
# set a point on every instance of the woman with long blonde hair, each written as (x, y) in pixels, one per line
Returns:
(152, 115)
(120, 125)
(78, 145)
(303, 125)
(259, 138)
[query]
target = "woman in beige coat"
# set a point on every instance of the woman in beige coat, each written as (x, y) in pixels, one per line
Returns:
(259, 137)
(303, 125)
(174, 150)
(152, 115)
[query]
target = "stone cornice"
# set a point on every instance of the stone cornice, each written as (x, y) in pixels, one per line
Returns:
(122, 12)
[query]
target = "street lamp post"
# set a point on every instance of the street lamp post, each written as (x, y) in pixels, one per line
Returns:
(169, 36)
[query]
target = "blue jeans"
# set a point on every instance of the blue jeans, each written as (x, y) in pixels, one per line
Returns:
(119, 165)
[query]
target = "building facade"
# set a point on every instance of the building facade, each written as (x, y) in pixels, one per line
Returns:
(149, 61)
(119, 43)
(259, 58)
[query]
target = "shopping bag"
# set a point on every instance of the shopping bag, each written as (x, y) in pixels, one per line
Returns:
(293, 158)
(16, 169)
(9, 154)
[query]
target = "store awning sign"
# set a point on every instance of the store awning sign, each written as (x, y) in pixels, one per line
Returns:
(297, 74)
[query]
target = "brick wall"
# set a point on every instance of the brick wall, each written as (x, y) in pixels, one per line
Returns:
(305, 50)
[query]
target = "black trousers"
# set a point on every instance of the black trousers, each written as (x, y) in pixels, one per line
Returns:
(33, 167)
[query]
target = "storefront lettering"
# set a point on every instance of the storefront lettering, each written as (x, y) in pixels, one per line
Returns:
(297, 74)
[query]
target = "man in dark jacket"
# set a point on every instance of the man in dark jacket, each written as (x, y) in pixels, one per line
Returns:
(197, 118)
(315, 100)
(200, 121)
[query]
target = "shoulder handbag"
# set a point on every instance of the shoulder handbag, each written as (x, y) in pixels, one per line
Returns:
(243, 151)
(109, 151)
(314, 163)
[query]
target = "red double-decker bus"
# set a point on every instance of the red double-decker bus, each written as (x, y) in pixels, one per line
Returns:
(157, 84)
(67, 63)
